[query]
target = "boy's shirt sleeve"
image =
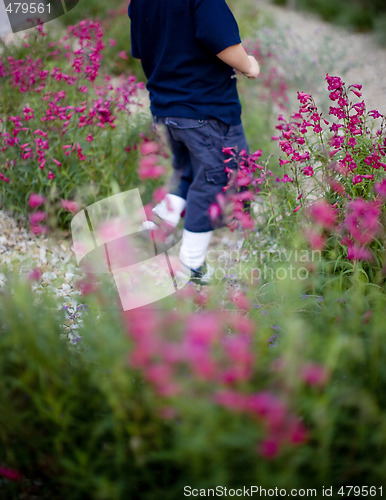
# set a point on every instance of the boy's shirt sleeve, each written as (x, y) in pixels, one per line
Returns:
(134, 46)
(215, 25)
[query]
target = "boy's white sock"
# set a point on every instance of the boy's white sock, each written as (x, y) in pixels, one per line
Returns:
(170, 208)
(194, 247)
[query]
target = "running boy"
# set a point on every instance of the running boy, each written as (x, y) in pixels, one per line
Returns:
(189, 50)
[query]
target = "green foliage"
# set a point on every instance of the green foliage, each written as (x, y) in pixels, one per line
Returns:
(80, 420)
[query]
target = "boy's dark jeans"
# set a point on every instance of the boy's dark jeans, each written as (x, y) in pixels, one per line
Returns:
(198, 163)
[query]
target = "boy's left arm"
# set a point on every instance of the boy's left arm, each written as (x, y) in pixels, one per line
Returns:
(236, 57)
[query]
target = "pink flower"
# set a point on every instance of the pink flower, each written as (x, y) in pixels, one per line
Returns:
(57, 162)
(315, 239)
(309, 171)
(159, 194)
(123, 55)
(214, 212)
(357, 179)
(314, 374)
(304, 98)
(37, 217)
(230, 399)
(37, 229)
(358, 94)
(380, 188)
(334, 82)
(11, 474)
(362, 220)
(269, 407)
(35, 274)
(148, 168)
(296, 209)
(375, 114)
(35, 200)
(69, 205)
(50, 175)
(322, 213)
(3, 178)
(240, 300)
(203, 328)
(269, 448)
(336, 186)
(149, 148)
(297, 433)
(244, 219)
(283, 162)
(89, 138)
(159, 374)
(239, 350)
(355, 252)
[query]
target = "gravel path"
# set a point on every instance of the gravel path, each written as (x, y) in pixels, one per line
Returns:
(359, 60)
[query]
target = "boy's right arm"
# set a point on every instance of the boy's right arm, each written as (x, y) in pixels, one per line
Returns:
(236, 57)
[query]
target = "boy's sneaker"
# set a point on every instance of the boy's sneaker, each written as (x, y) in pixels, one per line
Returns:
(203, 275)
(161, 232)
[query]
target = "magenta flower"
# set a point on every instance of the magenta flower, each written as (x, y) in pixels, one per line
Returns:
(35, 274)
(268, 407)
(50, 175)
(70, 205)
(334, 82)
(269, 448)
(214, 212)
(4, 178)
(357, 179)
(286, 178)
(37, 217)
(362, 220)
(123, 55)
(231, 399)
(38, 229)
(309, 171)
(315, 239)
(375, 114)
(296, 209)
(380, 188)
(304, 98)
(297, 432)
(149, 148)
(240, 300)
(203, 328)
(11, 474)
(356, 252)
(323, 214)
(314, 374)
(35, 200)
(159, 194)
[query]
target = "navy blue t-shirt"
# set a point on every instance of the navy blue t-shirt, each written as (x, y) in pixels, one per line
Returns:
(177, 42)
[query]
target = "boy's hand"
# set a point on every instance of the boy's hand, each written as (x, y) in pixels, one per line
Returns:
(238, 59)
(254, 69)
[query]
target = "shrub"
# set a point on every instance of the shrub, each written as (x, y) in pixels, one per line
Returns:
(333, 184)
(214, 387)
(68, 131)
